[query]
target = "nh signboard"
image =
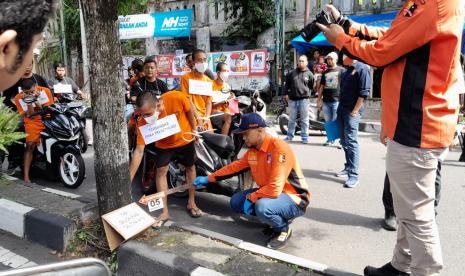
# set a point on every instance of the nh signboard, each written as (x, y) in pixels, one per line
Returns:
(163, 24)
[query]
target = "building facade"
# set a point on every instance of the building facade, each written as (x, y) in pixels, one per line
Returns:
(210, 19)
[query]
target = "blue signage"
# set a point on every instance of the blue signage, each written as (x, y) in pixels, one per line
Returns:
(164, 24)
(173, 24)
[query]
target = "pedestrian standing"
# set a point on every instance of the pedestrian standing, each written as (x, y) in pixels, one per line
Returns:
(297, 91)
(330, 85)
(355, 88)
(314, 60)
(420, 94)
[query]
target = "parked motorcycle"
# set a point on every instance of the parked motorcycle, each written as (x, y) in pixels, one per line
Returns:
(315, 122)
(59, 153)
(77, 109)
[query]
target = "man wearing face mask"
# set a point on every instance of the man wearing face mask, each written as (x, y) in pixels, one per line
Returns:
(190, 63)
(179, 146)
(11, 92)
(201, 104)
(30, 100)
(220, 86)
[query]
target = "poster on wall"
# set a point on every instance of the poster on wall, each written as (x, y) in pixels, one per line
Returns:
(164, 66)
(179, 66)
(258, 61)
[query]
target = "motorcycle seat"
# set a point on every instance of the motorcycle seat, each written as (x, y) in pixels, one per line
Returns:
(221, 144)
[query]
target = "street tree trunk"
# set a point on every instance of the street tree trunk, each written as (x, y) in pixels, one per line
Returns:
(110, 131)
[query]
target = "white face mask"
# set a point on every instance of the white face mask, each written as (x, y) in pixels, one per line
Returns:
(201, 67)
(152, 119)
(224, 76)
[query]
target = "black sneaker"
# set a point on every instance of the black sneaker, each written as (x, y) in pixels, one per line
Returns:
(385, 270)
(390, 223)
(268, 231)
(279, 240)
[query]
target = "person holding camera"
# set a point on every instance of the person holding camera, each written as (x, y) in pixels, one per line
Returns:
(420, 94)
(29, 103)
(297, 91)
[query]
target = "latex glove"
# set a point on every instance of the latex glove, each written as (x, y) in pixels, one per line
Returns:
(201, 181)
(248, 207)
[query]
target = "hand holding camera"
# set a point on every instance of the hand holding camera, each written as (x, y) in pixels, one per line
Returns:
(325, 19)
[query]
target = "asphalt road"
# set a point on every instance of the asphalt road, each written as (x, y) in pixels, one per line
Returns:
(342, 227)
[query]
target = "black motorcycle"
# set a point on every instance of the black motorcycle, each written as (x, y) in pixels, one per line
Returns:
(59, 153)
(76, 108)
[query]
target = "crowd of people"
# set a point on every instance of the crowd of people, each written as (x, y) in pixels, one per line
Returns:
(420, 107)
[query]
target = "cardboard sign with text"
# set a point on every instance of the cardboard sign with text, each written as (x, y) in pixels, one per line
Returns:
(219, 96)
(62, 88)
(125, 223)
(161, 129)
(197, 87)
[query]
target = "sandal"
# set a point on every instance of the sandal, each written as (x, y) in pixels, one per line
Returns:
(159, 223)
(194, 212)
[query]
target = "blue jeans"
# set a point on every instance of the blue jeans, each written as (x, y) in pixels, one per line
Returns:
(348, 129)
(330, 111)
(275, 212)
(296, 108)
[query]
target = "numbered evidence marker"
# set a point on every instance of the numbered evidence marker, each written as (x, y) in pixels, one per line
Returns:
(155, 204)
(161, 129)
(204, 88)
(125, 223)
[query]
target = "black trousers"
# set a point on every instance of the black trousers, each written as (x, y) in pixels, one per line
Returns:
(387, 196)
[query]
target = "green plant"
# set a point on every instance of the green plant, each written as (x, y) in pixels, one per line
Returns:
(8, 123)
(249, 18)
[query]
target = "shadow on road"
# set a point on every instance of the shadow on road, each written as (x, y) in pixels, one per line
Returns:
(343, 218)
(322, 175)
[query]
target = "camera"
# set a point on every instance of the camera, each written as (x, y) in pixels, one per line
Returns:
(310, 31)
(29, 99)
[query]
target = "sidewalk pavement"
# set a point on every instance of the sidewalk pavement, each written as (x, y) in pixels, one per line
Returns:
(43, 215)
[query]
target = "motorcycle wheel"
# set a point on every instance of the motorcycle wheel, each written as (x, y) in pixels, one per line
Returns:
(148, 181)
(71, 169)
(83, 141)
(177, 179)
(283, 121)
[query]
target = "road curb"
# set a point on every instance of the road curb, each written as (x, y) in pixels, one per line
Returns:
(260, 250)
(138, 258)
(37, 225)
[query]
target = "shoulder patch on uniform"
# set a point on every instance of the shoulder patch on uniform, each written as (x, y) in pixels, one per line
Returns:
(282, 157)
(409, 8)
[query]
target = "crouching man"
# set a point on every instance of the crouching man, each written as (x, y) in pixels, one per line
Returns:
(282, 192)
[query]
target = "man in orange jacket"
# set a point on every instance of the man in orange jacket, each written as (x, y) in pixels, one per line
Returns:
(282, 192)
(29, 101)
(420, 93)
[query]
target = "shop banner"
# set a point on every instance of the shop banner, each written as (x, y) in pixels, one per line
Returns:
(164, 24)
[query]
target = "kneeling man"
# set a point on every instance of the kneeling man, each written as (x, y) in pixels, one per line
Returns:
(282, 192)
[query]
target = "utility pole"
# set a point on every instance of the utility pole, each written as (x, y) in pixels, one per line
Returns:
(308, 6)
(280, 31)
(85, 57)
(283, 42)
(63, 36)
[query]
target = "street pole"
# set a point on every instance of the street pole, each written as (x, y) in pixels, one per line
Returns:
(283, 41)
(308, 6)
(85, 58)
(277, 44)
(63, 36)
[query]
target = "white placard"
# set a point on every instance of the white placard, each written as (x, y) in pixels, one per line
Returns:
(155, 204)
(43, 98)
(160, 130)
(219, 96)
(62, 88)
(197, 87)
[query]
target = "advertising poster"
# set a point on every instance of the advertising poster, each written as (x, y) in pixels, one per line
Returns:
(164, 66)
(179, 65)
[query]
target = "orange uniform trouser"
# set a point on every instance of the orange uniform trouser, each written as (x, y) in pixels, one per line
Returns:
(33, 132)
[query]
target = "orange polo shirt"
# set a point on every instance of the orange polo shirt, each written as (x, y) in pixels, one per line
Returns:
(274, 168)
(33, 125)
(177, 103)
(199, 101)
(422, 78)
